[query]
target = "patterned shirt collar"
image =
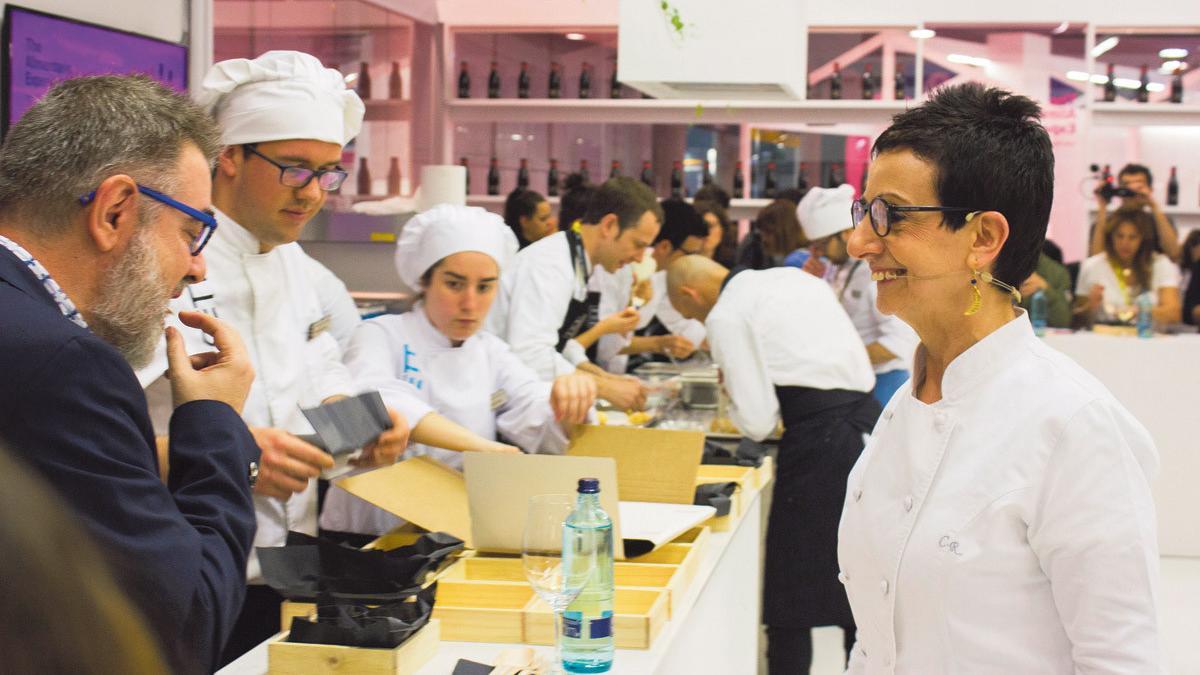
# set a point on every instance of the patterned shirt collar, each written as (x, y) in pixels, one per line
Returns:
(56, 292)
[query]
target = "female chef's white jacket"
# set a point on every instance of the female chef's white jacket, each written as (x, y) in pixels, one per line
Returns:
(481, 385)
(1007, 528)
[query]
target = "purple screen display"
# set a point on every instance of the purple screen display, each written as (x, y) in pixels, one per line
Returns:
(45, 49)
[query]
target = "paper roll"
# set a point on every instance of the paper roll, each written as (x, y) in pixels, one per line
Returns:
(442, 184)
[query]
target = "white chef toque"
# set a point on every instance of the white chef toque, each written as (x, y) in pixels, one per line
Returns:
(281, 95)
(445, 230)
(824, 212)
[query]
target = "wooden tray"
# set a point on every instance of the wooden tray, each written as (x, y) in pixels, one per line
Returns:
(482, 611)
(746, 480)
(289, 658)
(639, 615)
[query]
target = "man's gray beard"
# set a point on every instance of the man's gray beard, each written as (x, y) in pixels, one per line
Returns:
(132, 302)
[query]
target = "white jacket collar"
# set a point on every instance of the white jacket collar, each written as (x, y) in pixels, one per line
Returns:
(975, 366)
(234, 237)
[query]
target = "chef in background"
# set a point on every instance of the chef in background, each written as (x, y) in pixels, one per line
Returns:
(890, 342)
(545, 303)
(788, 352)
(437, 365)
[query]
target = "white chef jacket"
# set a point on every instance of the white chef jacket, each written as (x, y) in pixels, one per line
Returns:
(781, 327)
(271, 301)
(1007, 528)
(532, 304)
(857, 292)
(1097, 270)
(336, 302)
(481, 385)
(616, 295)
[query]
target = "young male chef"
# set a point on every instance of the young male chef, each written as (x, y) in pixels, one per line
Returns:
(787, 351)
(284, 119)
(545, 301)
(890, 342)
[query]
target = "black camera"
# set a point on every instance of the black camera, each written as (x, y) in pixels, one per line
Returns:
(1107, 190)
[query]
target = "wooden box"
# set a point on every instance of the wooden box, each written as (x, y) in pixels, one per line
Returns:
(639, 615)
(746, 480)
(289, 658)
(482, 610)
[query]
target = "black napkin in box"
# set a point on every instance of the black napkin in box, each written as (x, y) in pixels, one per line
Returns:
(748, 453)
(353, 624)
(717, 495)
(308, 568)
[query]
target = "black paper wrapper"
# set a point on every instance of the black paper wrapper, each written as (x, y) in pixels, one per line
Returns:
(353, 624)
(309, 568)
(748, 453)
(348, 424)
(716, 495)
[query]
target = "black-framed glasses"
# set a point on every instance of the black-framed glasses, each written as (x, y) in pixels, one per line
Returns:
(881, 212)
(298, 176)
(208, 222)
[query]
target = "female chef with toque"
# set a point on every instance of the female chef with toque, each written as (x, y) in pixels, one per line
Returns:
(436, 361)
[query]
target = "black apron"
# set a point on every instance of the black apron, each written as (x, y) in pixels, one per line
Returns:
(822, 439)
(581, 314)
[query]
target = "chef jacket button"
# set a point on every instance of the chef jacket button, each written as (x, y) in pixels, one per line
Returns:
(857, 494)
(908, 503)
(843, 578)
(883, 586)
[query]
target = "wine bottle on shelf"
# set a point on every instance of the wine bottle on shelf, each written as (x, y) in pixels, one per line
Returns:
(706, 177)
(393, 177)
(1177, 86)
(585, 81)
(802, 177)
(395, 84)
(363, 184)
(647, 175)
(770, 189)
(677, 191)
(868, 83)
(739, 182)
(1143, 90)
(583, 171)
(552, 179)
(555, 86)
(835, 82)
(494, 81)
(493, 178)
(615, 170)
(900, 86)
(1110, 84)
(614, 85)
(464, 81)
(462, 161)
(1106, 176)
(523, 175)
(835, 175)
(1173, 189)
(523, 81)
(363, 86)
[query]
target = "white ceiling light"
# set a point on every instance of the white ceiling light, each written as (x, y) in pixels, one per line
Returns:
(1126, 83)
(969, 60)
(1155, 86)
(921, 33)
(1104, 45)
(1168, 67)
(1080, 76)
(575, 36)
(1061, 28)
(349, 79)
(1172, 53)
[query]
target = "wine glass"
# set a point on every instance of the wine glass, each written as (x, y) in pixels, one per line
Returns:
(556, 579)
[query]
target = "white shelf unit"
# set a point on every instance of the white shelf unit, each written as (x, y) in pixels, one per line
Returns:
(739, 209)
(1180, 211)
(662, 111)
(1145, 114)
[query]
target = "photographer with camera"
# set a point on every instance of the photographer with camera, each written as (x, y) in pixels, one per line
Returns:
(1135, 188)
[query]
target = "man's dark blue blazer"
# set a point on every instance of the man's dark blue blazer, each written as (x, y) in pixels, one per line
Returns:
(72, 408)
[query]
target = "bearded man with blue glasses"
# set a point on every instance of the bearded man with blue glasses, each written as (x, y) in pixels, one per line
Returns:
(284, 119)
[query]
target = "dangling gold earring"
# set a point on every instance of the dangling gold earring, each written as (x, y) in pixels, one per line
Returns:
(976, 296)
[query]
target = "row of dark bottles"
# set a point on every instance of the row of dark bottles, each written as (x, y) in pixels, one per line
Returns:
(1142, 95)
(870, 83)
(1172, 184)
(554, 85)
(834, 177)
(363, 177)
(395, 87)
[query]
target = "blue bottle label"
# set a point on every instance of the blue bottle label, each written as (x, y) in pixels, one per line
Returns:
(572, 625)
(602, 627)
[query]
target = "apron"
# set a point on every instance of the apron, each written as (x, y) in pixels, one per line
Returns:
(822, 439)
(581, 314)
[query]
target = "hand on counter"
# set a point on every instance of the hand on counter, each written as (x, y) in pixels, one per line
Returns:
(388, 447)
(675, 346)
(287, 462)
(572, 396)
(624, 393)
(224, 375)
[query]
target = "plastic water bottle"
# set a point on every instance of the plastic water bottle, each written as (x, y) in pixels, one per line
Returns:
(587, 626)
(1145, 320)
(1037, 312)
